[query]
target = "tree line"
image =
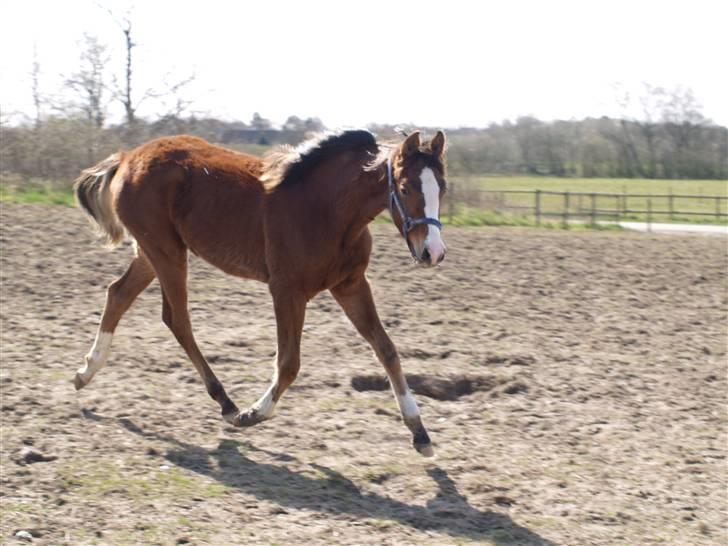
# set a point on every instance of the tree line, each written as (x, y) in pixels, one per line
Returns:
(595, 147)
(58, 147)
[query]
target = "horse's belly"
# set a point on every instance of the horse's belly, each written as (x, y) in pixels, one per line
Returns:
(241, 260)
(224, 227)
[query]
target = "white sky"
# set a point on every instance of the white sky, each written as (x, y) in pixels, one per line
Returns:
(436, 63)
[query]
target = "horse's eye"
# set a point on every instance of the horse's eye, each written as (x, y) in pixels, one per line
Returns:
(405, 191)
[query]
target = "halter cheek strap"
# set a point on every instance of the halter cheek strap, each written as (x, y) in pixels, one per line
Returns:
(395, 202)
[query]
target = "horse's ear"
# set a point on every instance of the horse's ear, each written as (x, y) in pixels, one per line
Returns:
(410, 145)
(437, 145)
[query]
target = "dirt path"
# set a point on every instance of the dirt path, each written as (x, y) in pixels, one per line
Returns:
(601, 418)
(659, 227)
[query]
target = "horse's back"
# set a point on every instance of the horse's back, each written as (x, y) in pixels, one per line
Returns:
(196, 157)
(208, 196)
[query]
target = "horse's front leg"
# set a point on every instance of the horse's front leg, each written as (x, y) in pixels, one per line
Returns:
(355, 297)
(290, 310)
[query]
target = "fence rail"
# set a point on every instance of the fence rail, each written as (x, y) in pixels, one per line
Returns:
(591, 206)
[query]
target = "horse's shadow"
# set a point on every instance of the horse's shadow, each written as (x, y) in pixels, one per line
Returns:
(329, 491)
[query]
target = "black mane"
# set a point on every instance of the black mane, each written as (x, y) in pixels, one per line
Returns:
(310, 154)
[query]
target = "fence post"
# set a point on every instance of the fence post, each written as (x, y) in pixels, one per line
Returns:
(717, 209)
(649, 215)
(538, 207)
(451, 202)
(593, 210)
(671, 200)
(566, 210)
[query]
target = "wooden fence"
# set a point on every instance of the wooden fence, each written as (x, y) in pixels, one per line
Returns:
(592, 207)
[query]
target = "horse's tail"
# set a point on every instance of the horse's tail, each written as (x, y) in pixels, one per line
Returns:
(93, 193)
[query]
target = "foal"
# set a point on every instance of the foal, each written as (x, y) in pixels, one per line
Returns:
(296, 221)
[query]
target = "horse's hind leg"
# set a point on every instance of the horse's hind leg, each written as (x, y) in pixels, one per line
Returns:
(355, 297)
(171, 269)
(119, 297)
(290, 310)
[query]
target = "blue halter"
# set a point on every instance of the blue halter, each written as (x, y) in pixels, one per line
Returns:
(394, 201)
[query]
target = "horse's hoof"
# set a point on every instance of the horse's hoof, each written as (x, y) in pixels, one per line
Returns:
(229, 411)
(78, 382)
(230, 417)
(421, 442)
(247, 418)
(425, 450)
(243, 418)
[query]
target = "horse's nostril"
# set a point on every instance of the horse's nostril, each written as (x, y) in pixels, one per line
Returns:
(425, 255)
(442, 257)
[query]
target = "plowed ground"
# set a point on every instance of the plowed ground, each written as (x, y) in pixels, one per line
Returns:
(599, 415)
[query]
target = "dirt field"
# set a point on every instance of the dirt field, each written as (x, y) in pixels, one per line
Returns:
(599, 415)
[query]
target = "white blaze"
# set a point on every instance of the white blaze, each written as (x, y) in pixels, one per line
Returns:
(431, 191)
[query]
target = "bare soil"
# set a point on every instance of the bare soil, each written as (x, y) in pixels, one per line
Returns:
(574, 385)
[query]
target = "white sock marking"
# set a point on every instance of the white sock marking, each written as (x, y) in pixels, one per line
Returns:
(97, 356)
(265, 405)
(431, 191)
(407, 405)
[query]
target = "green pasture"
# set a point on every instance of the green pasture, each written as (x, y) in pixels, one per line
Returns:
(628, 194)
(47, 195)
(603, 185)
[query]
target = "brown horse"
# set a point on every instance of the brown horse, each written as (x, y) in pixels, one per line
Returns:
(296, 221)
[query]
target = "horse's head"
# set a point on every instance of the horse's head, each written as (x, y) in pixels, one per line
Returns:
(417, 183)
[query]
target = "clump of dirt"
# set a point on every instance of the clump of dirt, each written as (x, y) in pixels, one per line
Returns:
(29, 455)
(509, 360)
(516, 387)
(439, 388)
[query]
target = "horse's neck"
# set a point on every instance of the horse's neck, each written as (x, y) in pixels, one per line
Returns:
(340, 207)
(362, 199)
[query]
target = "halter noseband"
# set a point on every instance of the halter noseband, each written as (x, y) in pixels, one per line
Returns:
(394, 201)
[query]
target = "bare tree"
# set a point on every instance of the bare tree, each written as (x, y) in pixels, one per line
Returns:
(37, 105)
(723, 152)
(683, 121)
(650, 101)
(260, 123)
(661, 122)
(90, 83)
(628, 137)
(165, 89)
(313, 125)
(35, 87)
(293, 123)
(682, 115)
(525, 131)
(125, 94)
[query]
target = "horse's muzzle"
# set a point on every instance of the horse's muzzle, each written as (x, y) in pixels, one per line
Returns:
(426, 260)
(424, 256)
